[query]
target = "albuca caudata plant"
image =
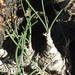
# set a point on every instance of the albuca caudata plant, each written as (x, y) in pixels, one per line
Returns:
(26, 62)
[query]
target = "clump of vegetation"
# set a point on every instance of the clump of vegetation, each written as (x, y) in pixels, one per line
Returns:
(26, 61)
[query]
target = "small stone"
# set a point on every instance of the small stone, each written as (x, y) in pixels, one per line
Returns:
(3, 53)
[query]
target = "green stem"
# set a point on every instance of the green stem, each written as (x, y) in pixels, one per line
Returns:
(36, 14)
